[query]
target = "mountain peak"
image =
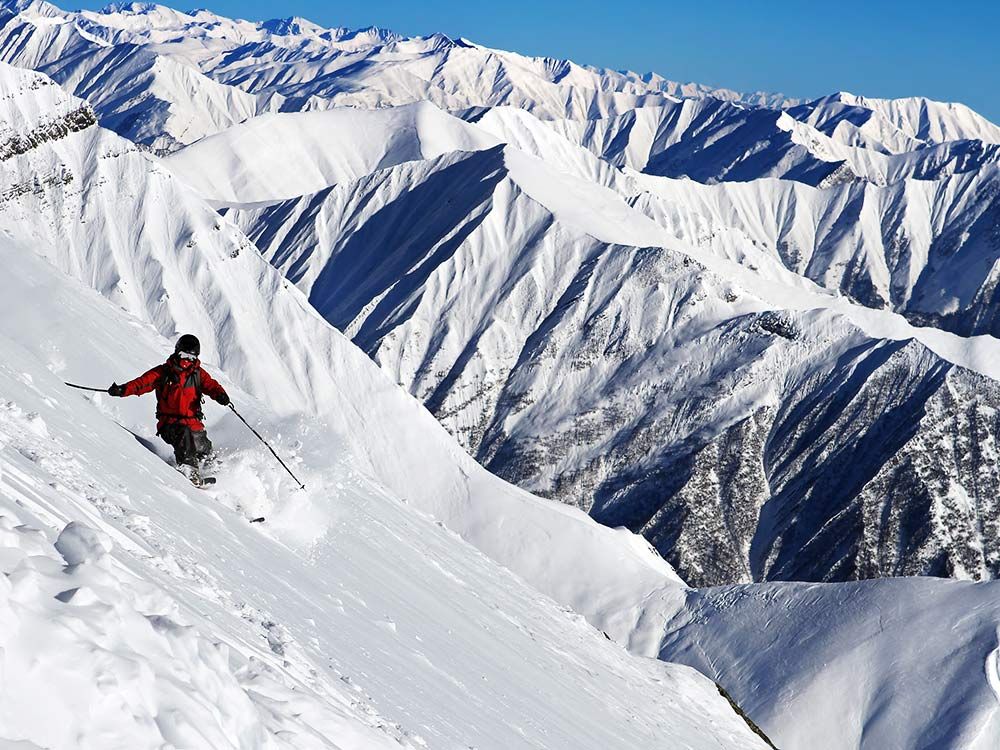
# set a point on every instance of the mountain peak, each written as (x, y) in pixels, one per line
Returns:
(31, 7)
(291, 26)
(440, 41)
(134, 8)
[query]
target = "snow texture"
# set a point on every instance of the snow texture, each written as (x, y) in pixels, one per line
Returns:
(755, 330)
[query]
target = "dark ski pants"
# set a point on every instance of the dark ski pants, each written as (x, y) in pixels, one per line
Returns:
(190, 447)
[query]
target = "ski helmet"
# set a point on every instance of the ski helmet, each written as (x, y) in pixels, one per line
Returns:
(188, 344)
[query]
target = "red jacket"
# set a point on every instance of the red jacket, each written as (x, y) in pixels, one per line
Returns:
(176, 386)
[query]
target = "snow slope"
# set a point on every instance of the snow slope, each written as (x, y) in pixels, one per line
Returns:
(352, 634)
(275, 157)
(792, 650)
(350, 620)
(92, 204)
(416, 614)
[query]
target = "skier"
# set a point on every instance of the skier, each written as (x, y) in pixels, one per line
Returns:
(179, 384)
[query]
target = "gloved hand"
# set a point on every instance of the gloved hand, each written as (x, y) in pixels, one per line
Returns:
(223, 399)
(116, 390)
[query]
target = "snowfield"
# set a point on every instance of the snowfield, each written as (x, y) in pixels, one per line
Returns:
(929, 692)
(276, 157)
(746, 338)
(350, 620)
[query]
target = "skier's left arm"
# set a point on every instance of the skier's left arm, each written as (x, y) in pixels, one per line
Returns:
(211, 386)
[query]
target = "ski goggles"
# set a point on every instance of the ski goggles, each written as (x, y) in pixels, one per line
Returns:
(187, 355)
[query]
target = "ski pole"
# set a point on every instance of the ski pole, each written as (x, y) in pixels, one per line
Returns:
(87, 388)
(301, 486)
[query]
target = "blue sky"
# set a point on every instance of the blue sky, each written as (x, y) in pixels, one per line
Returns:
(877, 48)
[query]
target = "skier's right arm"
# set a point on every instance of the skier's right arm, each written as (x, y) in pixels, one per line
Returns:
(142, 384)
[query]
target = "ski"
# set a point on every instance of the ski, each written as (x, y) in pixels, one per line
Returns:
(259, 519)
(199, 482)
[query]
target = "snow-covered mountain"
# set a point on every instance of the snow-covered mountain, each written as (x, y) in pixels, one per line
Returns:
(927, 249)
(924, 247)
(229, 635)
(92, 205)
(149, 98)
(577, 350)
(914, 117)
(893, 224)
(712, 140)
(739, 325)
(164, 78)
(351, 619)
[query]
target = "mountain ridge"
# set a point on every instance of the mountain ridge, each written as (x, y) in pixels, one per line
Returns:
(549, 88)
(482, 350)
